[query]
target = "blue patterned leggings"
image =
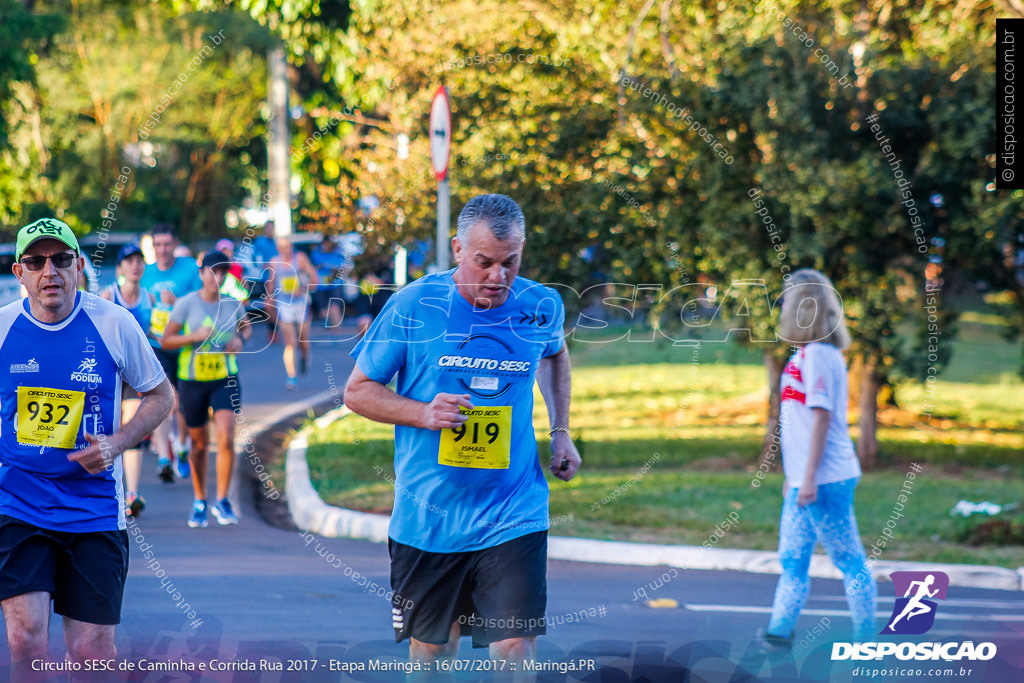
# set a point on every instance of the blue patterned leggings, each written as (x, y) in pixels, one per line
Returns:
(831, 521)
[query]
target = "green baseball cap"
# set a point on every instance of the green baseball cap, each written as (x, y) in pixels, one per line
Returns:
(45, 228)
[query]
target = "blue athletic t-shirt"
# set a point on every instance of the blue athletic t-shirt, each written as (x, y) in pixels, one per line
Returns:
(64, 380)
(483, 485)
(180, 279)
(327, 263)
(142, 311)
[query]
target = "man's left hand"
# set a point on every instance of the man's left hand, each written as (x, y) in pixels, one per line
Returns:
(565, 459)
(97, 456)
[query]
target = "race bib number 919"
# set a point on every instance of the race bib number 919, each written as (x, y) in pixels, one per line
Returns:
(482, 442)
(49, 417)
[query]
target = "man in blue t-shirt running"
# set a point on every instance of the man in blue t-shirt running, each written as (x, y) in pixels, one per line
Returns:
(66, 356)
(168, 279)
(468, 535)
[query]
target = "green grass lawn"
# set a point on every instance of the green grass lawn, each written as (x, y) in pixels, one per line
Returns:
(697, 420)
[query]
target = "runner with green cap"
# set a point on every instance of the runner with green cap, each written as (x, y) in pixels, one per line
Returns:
(66, 355)
(42, 229)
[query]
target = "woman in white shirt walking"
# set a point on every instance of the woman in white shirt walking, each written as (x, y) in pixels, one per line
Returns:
(818, 459)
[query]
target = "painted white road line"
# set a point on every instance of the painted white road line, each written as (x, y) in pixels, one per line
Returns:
(1017, 603)
(937, 633)
(844, 613)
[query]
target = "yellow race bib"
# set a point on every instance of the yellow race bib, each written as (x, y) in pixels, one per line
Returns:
(211, 366)
(49, 417)
(483, 441)
(290, 285)
(158, 321)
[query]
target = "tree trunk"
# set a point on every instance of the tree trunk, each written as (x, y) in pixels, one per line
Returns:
(867, 446)
(773, 364)
(853, 378)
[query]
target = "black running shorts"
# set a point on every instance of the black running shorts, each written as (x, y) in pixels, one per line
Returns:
(494, 594)
(169, 362)
(83, 572)
(196, 398)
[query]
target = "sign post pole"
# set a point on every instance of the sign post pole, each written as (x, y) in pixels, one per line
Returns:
(279, 184)
(443, 223)
(440, 149)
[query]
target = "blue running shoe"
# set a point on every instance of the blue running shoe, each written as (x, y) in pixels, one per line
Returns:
(223, 512)
(183, 469)
(198, 516)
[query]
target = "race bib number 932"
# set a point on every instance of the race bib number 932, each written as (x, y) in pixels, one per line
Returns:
(49, 417)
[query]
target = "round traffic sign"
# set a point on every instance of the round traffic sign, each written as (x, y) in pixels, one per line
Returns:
(440, 132)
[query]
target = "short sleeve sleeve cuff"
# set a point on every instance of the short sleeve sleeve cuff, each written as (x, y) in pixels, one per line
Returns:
(818, 377)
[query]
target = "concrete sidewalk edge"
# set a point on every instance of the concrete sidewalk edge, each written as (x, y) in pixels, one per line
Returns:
(312, 514)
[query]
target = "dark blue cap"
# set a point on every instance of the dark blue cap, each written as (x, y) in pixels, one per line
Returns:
(126, 251)
(215, 259)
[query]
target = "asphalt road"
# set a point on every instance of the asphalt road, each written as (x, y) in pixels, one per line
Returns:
(257, 595)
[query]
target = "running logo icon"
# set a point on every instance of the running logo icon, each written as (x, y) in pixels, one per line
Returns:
(914, 613)
(85, 372)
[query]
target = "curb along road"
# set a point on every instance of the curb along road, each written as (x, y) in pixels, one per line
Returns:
(311, 513)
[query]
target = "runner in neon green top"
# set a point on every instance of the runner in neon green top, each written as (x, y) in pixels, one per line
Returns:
(209, 328)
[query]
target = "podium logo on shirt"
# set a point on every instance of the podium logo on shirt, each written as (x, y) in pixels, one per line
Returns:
(85, 373)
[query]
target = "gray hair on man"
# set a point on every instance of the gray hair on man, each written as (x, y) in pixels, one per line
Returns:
(501, 213)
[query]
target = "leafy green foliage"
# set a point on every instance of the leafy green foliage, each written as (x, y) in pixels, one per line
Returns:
(24, 35)
(181, 120)
(608, 125)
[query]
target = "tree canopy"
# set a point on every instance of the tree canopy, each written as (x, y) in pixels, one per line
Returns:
(657, 144)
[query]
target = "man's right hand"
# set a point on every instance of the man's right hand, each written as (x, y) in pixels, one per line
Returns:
(201, 335)
(167, 297)
(443, 411)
